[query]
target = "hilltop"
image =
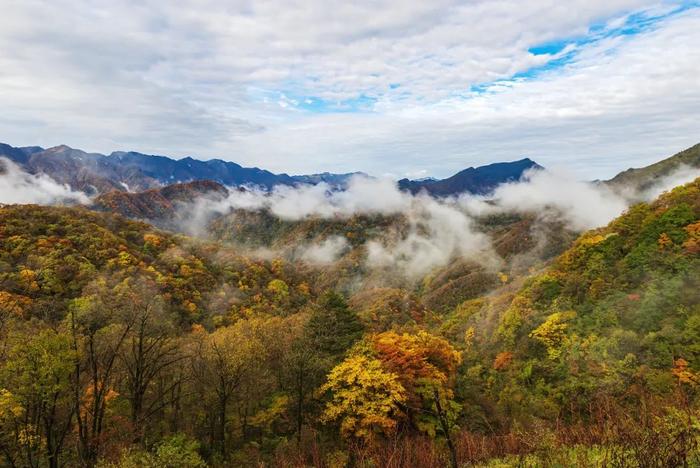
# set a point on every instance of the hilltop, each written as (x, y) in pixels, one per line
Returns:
(159, 204)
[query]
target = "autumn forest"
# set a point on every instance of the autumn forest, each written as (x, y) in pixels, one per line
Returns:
(127, 344)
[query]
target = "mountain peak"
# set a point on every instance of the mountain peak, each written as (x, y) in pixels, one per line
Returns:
(476, 180)
(60, 148)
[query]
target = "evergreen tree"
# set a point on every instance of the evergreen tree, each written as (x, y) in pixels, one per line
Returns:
(333, 327)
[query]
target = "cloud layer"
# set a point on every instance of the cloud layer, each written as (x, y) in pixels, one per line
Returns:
(16, 186)
(437, 230)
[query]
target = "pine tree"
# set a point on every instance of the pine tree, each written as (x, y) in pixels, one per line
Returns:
(333, 327)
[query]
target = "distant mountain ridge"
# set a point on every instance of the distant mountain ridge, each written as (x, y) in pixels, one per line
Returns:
(339, 181)
(476, 180)
(130, 171)
(124, 171)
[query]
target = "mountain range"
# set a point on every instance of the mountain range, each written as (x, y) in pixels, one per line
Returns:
(132, 171)
(129, 171)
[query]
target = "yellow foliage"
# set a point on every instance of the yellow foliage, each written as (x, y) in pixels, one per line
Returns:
(469, 338)
(593, 240)
(512, 319)
(124, 259)
(27, 278)
(279, 288)
(9, 406)
(596, 238)
(277, 266)
(28, 436)
(267, 416)
(190, 307)
(552, 332)
(365, 398)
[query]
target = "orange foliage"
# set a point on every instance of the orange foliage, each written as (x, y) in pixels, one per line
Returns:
(683, 373)
(692, 244)
(27, 278)
(665, 241)
(152, 239)
(417, 360)
(503, 360)
(13, 304)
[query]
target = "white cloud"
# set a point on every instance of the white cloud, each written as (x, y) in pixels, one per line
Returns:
(19, 187)
(324, 252)
(582, 205)
(436, 231)
(680, 176)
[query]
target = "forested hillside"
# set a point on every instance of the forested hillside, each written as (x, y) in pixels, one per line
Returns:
(158, 205)
(123, 346)
(642, 178)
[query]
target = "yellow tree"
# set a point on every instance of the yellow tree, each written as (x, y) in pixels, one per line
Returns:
(552, 332)
(36, 396)
(365, 398)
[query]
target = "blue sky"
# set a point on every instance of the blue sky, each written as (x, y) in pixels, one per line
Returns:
(397, 88)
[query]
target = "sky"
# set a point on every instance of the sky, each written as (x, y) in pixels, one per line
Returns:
(391, 88)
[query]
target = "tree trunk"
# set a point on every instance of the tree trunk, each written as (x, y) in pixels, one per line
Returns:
(445, 429)
(300, 403)
(222, 425)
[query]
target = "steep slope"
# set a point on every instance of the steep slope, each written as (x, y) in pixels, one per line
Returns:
(608, 319)
(87, 172)
(645, 177)
(479, 180)
(16, 155)
(645, 265)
